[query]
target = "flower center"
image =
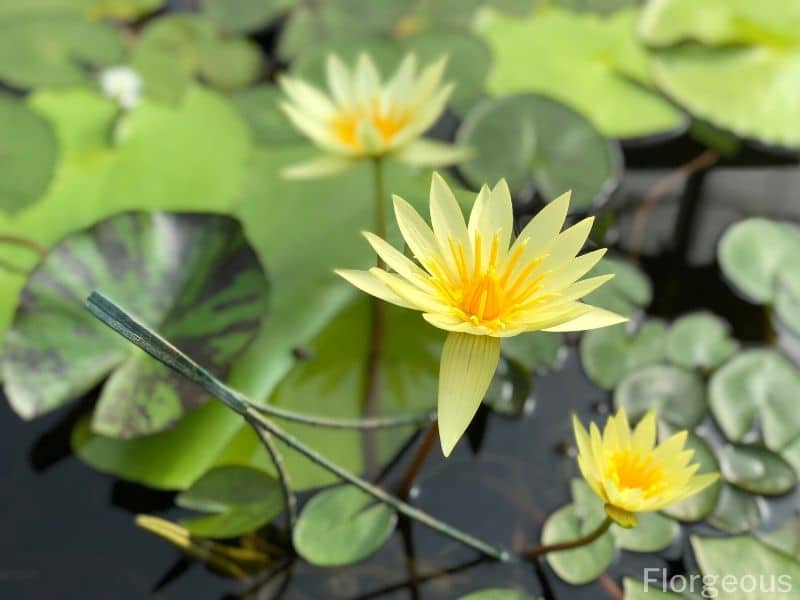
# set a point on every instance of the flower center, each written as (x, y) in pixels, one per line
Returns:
(631, 469)
(491, 290)
(345, 125)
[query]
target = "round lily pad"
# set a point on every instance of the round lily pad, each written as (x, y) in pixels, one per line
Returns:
(700, 340)
(28, 152)
(757, 386)
(595, 65)
(677, 394)
(756, 470)
(737, 511)
(341, 526)
(533, 140)
(242, 16)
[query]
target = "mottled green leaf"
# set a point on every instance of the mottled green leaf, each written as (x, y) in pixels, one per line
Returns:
(28, 152)
(342, 525)
(678, 395)
(193, 277)
(700, 340)
(608, 354)
(757, 386)
(593, 65)
(533, 140)
(241, 499)
(757, 470)
(736, 511)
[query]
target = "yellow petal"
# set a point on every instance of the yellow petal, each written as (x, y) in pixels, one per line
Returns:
(367, 80)
(423, 152)
(416, 297)
(594, 319)
(644, 436)
(394, 258)
(307, 98)
(492, 214)
(467, 366)
(544, 227)
(367, 282)
(340, 82)
(698, 484)
(572, 270)
(622, 517)
(414, 229)
(567, 245)
(323, 166)
(446, 217)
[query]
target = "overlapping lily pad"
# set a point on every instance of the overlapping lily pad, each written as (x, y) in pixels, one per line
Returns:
(756, 470)
(736, 511)
(242, 16)
(205, 291)
(700, 340)
(595, 65)
(532, 140)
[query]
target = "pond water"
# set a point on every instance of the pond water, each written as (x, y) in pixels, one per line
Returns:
(68, 531)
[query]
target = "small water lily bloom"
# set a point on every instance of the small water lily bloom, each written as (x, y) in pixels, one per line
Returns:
(123, 85)
(362, 117)
(630, 473)
(472, 281)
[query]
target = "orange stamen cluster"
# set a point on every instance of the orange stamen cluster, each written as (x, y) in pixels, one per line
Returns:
(387, 123)
(630, 469)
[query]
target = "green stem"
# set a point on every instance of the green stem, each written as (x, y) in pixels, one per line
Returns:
(123, 323)
(289, 499)
(376, 423)
(415, 466)
(587, 539)
(380, 199)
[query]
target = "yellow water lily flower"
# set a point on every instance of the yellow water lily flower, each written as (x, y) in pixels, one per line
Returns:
(630, 473)
(363, 117)
(472, 281)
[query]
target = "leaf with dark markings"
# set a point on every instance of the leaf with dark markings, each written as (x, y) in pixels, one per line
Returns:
(191, 276)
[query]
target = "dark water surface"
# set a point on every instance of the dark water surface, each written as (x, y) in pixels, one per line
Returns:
(68, 531)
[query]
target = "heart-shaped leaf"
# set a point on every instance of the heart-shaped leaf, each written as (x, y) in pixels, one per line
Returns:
(756, 470)
(241, 499)
(341, 526)
(736, 511)
(533, 140)
(596, 66)
(757, 386)
(700, 505)
(700, 340)
(610, 353)
(28, 152)
(205, 291)
(678, 395)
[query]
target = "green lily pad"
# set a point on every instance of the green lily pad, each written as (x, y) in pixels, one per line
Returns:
(787, 295)
(700, 340)
(28, 153)
(205, 291)
(736, 78)
(786, 538)
(40, 47)
(678, 395)
(497, 594)
(753, 254)
(509, 389)
(757, 386)
(756, 470)
(243, 16)
(533, 140)
(628, 290)
(173, 50)
(533, 350)
(610, 353)
(241, 499)
(120, 10)
(341, 526)
(736, 511)
(260, 107)
(699, 506)
(653, 533)
(602, 7)
(746, 560)
(635, 590)
(596, 66)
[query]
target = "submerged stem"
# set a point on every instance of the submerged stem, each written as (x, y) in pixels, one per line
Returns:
(587, 539)
(415, 466)
(145, 338)
(286, 487)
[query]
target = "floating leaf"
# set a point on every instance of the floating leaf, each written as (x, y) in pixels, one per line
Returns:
(753, 253)
(699, 506)
(628, 290)
(608, 354)
(28, 151)
(594, 65)
(787, 295)
(53, 47)
(756, 470)
(260, 107)
(786, 538)
(677, 394)
(736, 79)
(603, 7)
(241, 498)
(121, 10)
(341, 526)
(205, 292)
(533, 350)
(173, 50)
(653, 533)
(757, 386)
(497, 594)
(736, 511)
(533, 140)
(700, 340)
(242, 16)
(635, 590)
(744, 559)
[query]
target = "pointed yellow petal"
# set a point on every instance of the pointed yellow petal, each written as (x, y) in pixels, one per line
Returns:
(367, 80)
(367, 282)
(307, 98)
(567, 245)
(423, 152)
(594, 319)
(698, 484)
(544, 227)
(644, 436)
(466, 370)
(492, 214)
(394, 258)
(622, 517)
(416, 297)
(572, 270)
(340, 82)
(323, 166)
(414, 229)
(446, 216)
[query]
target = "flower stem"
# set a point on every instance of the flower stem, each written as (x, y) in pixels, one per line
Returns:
(145, 338)
(380, 199)
(587, 539)
(415, 466)
(320, 421)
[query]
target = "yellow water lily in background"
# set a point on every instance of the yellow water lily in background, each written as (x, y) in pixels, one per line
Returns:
(471, 280)
(630, 473)
(363, 117)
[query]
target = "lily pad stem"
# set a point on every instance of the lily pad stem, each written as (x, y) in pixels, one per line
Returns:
(587, 539)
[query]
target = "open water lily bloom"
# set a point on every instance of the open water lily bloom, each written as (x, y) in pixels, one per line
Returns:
(472, 281)
(362, 117)
(631, 473)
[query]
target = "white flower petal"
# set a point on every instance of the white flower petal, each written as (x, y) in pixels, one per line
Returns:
(340, 82)
(467, 366)
(367, 80)
(423, 152)
(307, 98)
(322, 166)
